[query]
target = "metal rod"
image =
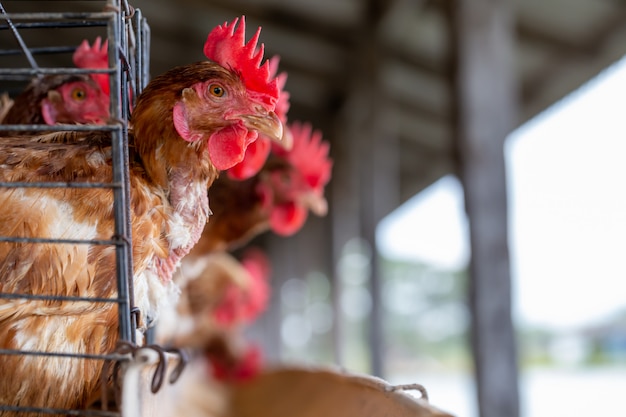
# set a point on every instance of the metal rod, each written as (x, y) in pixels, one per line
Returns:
(104, 242)
(20, 41)
(120, 203)
(11, 296)
(145, 56)
(44, 16)
(135, 54)
(95, 413)
(62, 128)
(126, 74)
(55, 25)
(137, 23)
(46, 71)
(142, 49)
(109, 357)
(60, 185)
(40, 50)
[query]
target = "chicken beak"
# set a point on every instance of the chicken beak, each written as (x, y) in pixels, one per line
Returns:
(286, 141)
(268, 125)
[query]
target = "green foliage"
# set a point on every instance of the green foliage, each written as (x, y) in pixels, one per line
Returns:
(426, 317)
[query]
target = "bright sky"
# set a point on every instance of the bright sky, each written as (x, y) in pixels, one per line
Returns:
(567, 201)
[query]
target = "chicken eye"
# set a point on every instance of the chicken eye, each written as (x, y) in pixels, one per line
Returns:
(216, 90)
(79, 94)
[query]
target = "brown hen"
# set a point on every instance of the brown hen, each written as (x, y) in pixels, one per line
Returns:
(188, 124)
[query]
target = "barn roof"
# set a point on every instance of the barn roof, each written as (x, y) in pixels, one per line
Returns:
(560, 45)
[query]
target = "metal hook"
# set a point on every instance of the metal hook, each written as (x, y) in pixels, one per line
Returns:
(407, 387)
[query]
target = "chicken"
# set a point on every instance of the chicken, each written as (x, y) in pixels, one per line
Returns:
(63, 98)
(289, 196)
(230, 356)
(59, 98)
(214, 310)
(228, 295)
(188, 124)
(278, 198)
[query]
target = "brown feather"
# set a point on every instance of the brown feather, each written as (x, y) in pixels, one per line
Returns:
(236, 215)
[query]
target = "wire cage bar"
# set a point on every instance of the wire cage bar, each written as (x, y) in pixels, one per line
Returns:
(128, 35)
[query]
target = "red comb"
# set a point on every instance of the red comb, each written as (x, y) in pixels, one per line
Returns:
(94, 57)
(283, 104)
(258, 266)
(309, 154)
(258, 151)
(226, 46)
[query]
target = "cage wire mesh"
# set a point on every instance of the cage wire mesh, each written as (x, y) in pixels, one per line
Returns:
(39, 38)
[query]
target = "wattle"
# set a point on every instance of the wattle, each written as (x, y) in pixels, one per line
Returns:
(287, 219)
(227, 146)
(255, 156)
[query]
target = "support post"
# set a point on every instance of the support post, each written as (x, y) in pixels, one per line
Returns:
(370, 152)
(486, 113)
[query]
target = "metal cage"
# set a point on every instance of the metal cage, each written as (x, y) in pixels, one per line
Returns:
(68, 23)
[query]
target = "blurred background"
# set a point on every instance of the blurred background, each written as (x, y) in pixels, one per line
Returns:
(477, 213)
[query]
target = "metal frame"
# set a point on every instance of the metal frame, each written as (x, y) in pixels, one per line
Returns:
(128, 36)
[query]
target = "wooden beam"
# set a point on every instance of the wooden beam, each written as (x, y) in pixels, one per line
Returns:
(366, 184)
(430, 132)
(421, 166)
(378, 164)
(336, 28)
(484, 45)
(542, 37)
(402, 81)
(343, 205)
(585, 54)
